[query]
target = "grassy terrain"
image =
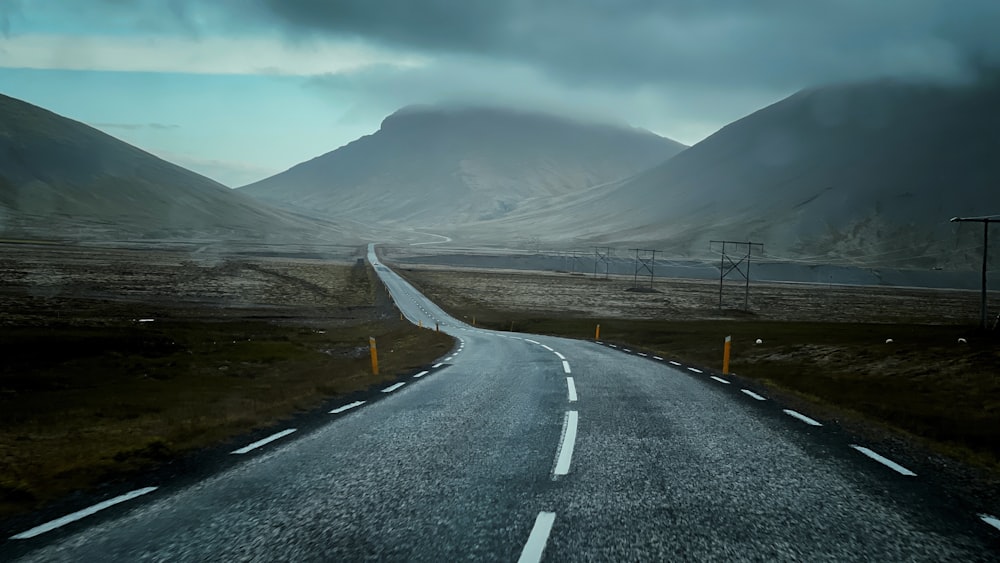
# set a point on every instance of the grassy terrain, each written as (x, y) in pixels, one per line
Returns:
(91, 395)
(925, 383)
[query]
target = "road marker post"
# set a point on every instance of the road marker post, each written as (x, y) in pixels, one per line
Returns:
(437, 327)
(473, 321)
(725, 354)
(597, 333)
(420, 323)
(374, 353)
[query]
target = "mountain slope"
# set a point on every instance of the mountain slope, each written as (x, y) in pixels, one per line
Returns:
(61, 178)
(863, 173)
(432, 165)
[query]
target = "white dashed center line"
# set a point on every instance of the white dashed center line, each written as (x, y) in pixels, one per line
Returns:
(535, 546)
(339, 410)
(754, 395)
(802, 417)
(696, 370)
(566, 367)
(259, 443)
(572, 389)
(392, 388)
(547, 348)
(568, 442)
(80, 514)
(561, 357)
(421, 374)
(885, 461)
(720, 380)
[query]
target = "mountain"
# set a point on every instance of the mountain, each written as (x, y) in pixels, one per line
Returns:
(862, 174)
(62, 179)
(433, 165)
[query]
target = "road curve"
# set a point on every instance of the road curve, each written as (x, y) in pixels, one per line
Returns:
(521, 447)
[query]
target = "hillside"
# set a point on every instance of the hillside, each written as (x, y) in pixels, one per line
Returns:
(427, 166)
(864, 174)
(62, 179)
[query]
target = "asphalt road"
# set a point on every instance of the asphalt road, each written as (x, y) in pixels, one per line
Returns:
(541, 448)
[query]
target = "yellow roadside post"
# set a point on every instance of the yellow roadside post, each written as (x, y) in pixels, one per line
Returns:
(420, 323)
(374, 352)
(725, 354)
(473, 321)
(597, 333)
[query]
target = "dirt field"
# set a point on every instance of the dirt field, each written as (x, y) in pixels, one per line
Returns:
(117, 360)
(823, 345)
(585, 296)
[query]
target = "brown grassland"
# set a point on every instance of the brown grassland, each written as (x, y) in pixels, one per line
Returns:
(824, 345)
(90, 394)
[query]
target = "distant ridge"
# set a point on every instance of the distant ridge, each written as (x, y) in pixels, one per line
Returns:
(433, 165)
(855, 174)
(61, 178)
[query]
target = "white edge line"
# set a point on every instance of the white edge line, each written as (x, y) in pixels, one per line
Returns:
(720, 380)
(571, 386)
(80, 514)
(991, 520)
(539, 536)
(566, 367)
(754, 395)
(568, 442)
(696, 370)
(560, 356)
(421, 374)
(339, 410)
(259, 443)
(392, 388)
(802, 417)
(884, 461)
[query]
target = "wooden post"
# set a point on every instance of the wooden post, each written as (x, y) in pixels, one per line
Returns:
(597, 333)
(725, 354)
(374, 353)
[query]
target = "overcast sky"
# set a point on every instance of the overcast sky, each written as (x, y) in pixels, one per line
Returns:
(241, 89)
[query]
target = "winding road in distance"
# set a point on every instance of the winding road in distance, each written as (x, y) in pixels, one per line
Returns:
(520, 447)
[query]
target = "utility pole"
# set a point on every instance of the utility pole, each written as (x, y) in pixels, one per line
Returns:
(986, 246)
(646, 262)
(602, 255)
(744, 251)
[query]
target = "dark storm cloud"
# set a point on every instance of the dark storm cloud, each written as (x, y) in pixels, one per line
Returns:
(8, 10)
(782, 43)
